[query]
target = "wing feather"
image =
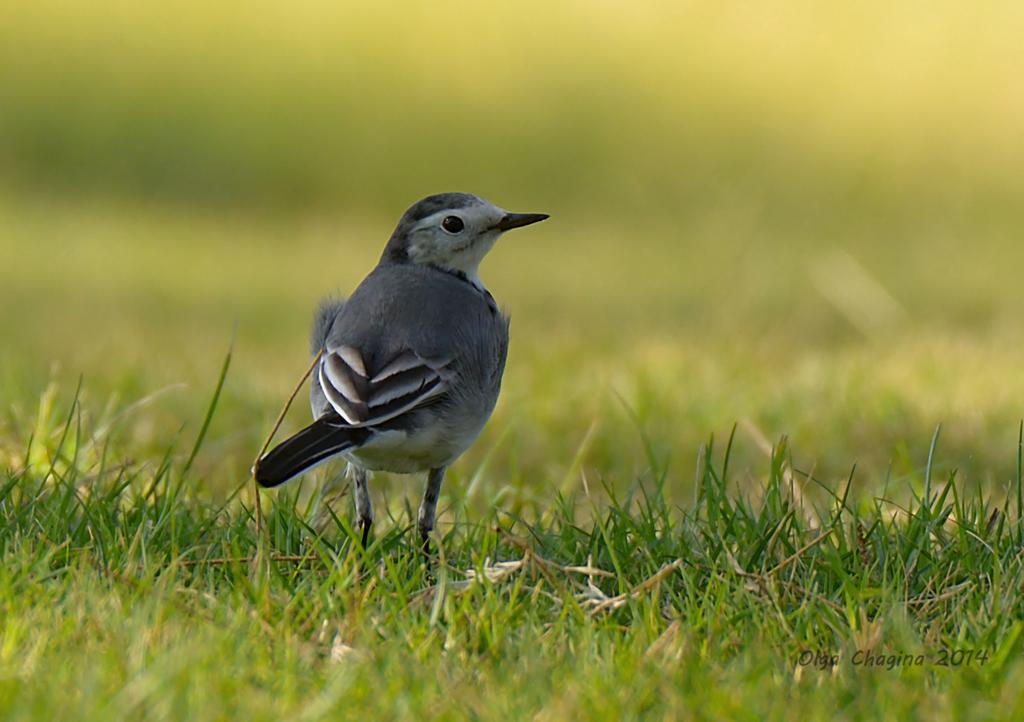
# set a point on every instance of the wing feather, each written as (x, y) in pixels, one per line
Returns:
(405, 383)
(352, 358)
(401, 385)
(354, 413)
(402, 362)
(344, 379)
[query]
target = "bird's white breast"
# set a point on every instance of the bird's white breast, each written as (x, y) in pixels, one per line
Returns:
(404, 453)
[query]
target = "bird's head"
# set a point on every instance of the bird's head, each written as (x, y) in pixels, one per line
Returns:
(452, 231)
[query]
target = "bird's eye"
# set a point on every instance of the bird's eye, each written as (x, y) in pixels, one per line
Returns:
(452, 224)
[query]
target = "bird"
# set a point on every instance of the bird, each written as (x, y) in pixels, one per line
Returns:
(411, 363)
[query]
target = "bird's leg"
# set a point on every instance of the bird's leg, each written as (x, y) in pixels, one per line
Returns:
(428, 509)
(364, 507)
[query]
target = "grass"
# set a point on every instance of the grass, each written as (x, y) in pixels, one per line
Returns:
(126, 574)
(139, 598)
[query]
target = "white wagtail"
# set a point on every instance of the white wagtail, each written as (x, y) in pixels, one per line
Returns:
(412, 361)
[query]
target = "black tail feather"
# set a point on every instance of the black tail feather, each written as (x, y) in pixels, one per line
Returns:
(318, 442)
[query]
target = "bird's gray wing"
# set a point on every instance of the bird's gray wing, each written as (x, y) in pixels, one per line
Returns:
(365, 396)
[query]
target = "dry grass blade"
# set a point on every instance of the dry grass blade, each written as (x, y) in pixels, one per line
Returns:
(270, 437)
(664, 639)
(243, 560)
(621, 599)
(800, 552)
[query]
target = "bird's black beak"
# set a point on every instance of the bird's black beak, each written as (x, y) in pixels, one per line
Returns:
(518, 220)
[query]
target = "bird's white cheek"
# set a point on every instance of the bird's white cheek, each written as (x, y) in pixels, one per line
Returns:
(454, 254)
(468, 260)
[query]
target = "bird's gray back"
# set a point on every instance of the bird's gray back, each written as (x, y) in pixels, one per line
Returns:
(401, 307)
(442, 319)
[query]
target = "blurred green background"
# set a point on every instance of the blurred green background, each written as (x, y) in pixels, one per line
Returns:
(801, 217)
